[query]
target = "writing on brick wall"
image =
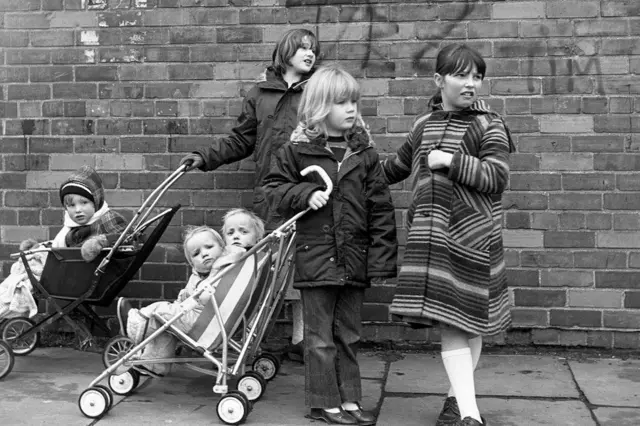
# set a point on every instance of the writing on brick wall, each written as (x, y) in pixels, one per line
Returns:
(372, 16)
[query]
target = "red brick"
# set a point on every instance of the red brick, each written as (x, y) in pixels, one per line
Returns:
(569, 239)
(622, 8)
(523, 277)
(97, 73)
(573, 9)
(521, 124)
(51, 38)
(117, 19)
(190, 72)
(632, 299)
(569, 201)
(51, 73)
(618, 279)
(121, 91)
(228, 53)
(72, 127)
(74, 90)
(517, 220)
(619, 47)
(618, 319)
(525, 201)
(70, 55)
(518, 48)
(119, 127)
(14, 74)
(9, 109)
(546, 28)
(28, 92)
(165, 54)
(144, 144)
(527, 317)
(312, 15)
(588, 181)
(551, 143)
(539, 298)
(237, 35)
(616, 162)
(28, 20)
(534, 182)
(626, 221)
(27, 127)
(546, 259)
(168, 90)
(571, 221)
(26, 199)
(19, 5)
(622, 340)
(575, 318)
(50, 145)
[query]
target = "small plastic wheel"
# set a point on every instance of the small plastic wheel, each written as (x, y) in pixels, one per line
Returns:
(6, 359)
(107, 391)
(267, 365)
(232, 409)
(125, 383)
(93, 403)
(253, 385)
(14, 328)
(116, 348)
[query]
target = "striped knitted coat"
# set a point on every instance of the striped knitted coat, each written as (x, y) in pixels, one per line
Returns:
(453, 269)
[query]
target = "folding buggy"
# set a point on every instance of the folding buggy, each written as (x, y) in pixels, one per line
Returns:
(246, 297)
(71, 286)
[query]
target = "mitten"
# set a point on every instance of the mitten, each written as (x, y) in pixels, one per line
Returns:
(91, 248)
(27, 244)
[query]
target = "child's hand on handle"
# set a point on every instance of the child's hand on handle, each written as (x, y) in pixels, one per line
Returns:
(192, 161)
(439, 159)
(317, 200)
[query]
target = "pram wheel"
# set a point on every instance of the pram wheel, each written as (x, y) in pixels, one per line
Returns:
(252, 385)
(6, 359)
(267, 365)
(233, 408)
(109, 395)
(94, 402)
(14, 328)
(116, 348)
(125, 383)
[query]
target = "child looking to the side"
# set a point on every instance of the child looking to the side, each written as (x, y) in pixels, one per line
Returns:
(207, 253)
(345, 243)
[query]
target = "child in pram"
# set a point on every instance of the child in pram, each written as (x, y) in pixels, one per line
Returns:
(88, 223)
(207, 254)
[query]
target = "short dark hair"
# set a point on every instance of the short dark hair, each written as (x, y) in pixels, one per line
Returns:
(289, 44)
(454, 58)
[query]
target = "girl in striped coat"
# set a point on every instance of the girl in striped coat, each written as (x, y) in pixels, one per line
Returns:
(453, 271)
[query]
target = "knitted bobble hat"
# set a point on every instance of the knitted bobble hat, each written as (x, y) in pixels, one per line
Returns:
(86, 182)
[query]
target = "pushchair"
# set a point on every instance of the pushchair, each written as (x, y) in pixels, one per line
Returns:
(246, 296)
(72, 287)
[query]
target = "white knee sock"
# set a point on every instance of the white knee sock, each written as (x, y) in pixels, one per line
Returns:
(298, 322)
(475, 345)
(459, 366)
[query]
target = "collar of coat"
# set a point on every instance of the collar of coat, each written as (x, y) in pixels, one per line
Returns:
(477, 108)
(272, 80)
(357, 138)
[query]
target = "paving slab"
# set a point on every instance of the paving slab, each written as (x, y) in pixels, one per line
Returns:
(496, 375)
(609, 416)
(420, 411)
(611, 382)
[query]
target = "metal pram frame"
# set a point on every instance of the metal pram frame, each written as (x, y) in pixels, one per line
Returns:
(271, 275)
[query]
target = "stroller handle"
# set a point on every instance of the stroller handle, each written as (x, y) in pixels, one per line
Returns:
(325, 177)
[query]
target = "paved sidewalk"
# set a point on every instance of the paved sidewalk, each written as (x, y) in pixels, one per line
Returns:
(407, 389)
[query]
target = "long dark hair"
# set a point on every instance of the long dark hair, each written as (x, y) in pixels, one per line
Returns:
(288, 46)
(454, 58)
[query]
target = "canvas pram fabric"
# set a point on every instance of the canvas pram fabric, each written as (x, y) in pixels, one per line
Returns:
(232, 293)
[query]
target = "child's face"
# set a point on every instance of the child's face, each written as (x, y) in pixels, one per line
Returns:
(203, 250)
(460, 89)
(342, 116)
(80, 208)
(304, 58)
(239, 230)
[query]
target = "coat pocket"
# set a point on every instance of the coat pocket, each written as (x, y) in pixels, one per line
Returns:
(468, 226)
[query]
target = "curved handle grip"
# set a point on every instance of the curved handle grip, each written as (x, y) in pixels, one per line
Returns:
(325, 177)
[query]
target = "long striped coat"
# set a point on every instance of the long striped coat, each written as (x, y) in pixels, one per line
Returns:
(453, 269)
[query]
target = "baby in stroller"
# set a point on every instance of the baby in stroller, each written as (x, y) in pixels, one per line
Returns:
(88, 223)
(207, 253)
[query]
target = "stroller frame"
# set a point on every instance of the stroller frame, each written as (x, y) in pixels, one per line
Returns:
(234, 406)
(22, 329)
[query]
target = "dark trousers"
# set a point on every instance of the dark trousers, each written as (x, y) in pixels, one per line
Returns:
(332, 328)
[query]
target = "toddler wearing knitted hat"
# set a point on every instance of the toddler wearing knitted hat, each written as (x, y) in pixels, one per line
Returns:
(88, 221)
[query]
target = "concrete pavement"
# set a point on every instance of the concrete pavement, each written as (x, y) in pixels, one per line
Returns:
(406, 388)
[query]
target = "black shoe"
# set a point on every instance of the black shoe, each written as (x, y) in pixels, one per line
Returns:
(450, 414)
(470, 421)
(340, 418)
(296, 352)
(123, 312)
(363, 417)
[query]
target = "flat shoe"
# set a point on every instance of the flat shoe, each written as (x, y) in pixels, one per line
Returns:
(339, 418)
(362, 417)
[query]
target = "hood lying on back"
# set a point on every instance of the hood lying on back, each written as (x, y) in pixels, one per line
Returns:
(86, 182)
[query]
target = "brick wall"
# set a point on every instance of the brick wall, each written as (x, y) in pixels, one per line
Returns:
(130, 86)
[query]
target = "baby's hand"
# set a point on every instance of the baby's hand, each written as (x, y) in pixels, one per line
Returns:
(317, 200)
